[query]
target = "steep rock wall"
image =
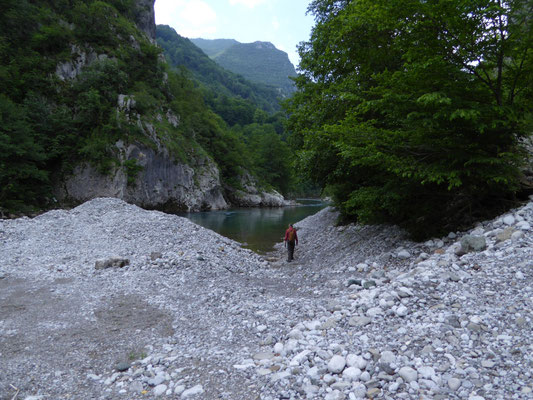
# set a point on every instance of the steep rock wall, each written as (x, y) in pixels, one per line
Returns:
(162, 183)
(145, 17)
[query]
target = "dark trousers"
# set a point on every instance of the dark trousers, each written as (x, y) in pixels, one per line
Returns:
(290, 249)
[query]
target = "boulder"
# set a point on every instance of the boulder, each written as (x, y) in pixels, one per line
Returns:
(470, 243)
(113, 262)
(252, 195)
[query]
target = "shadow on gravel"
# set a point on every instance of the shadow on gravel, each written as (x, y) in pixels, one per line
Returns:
(53, 339)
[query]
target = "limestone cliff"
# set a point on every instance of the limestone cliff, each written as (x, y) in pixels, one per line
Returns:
(145, 17)
(145, 171)
(161, 182)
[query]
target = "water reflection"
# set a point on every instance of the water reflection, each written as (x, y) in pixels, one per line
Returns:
(258, 228)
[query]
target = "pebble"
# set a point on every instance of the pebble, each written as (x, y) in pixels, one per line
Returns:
(454, 383)
(160, 390)
(408, 374)
(404, 254)
(442, 326)
(402, 311)
(195, 390)
(336, 364)
(351, 373)
(123, 366)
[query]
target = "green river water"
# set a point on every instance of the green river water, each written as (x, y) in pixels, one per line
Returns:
(257, 228)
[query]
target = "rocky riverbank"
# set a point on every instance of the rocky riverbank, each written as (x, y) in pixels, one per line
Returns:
(176, 311)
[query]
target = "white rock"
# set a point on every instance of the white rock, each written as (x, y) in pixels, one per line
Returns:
(158, 380)
(365, 376)
(290, 346)
(524, 225)
(454, 383)
(179, 389)
(299, 358)
(335, 395)
(404, 255)
(136, 387)
(278, 348)
(478, 231)
(508, 220)
(401, 311)
(487, 363)
(313, 372)
(351, 374)
(296, 334)
(264, 371)
(359, 390)
(519, 275)
(408, 374)
(362, 267)
(198, 389)
(388, 357)
(426, 372)
(159, 390)
(312, 325)
(374, 311)
(353, 360)
(336, 364)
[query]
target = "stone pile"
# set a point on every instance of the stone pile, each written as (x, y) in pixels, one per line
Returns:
(362, 313)
(447, 325)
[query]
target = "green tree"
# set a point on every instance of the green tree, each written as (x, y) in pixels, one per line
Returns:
(411, 112)
(271, 157)
(21, 159)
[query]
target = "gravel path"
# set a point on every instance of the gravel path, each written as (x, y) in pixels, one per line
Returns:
(362, 313)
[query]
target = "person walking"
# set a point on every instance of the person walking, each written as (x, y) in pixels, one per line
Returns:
(291, 240)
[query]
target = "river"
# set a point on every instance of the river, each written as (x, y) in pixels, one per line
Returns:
(257, 228)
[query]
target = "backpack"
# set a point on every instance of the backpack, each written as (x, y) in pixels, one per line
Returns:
(292, 235)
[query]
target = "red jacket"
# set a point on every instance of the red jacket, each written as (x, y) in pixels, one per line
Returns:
(287, 235)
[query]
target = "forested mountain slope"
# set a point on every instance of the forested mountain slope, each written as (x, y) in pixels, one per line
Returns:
(259, 62)
(181, 52)
(88, 108)
(246, 107)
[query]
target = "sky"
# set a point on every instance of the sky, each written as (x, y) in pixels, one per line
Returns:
(281, 22)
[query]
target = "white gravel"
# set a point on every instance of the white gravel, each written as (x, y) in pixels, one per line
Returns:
(362, 313)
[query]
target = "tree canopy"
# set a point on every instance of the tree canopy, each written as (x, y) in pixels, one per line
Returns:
(411, 111)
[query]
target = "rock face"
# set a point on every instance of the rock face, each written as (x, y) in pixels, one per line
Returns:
(145, 17)
(162, 183)
(156, 180)
(251, 196)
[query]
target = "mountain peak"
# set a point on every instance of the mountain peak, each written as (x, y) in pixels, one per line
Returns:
(258, 62)
(266, 45)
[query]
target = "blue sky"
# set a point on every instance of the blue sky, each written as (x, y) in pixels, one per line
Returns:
(281, 22)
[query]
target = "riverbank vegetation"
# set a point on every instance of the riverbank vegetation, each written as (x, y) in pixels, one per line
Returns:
(413, 112)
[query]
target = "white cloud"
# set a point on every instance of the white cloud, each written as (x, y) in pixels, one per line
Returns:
(190, 18)
(247, 3)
